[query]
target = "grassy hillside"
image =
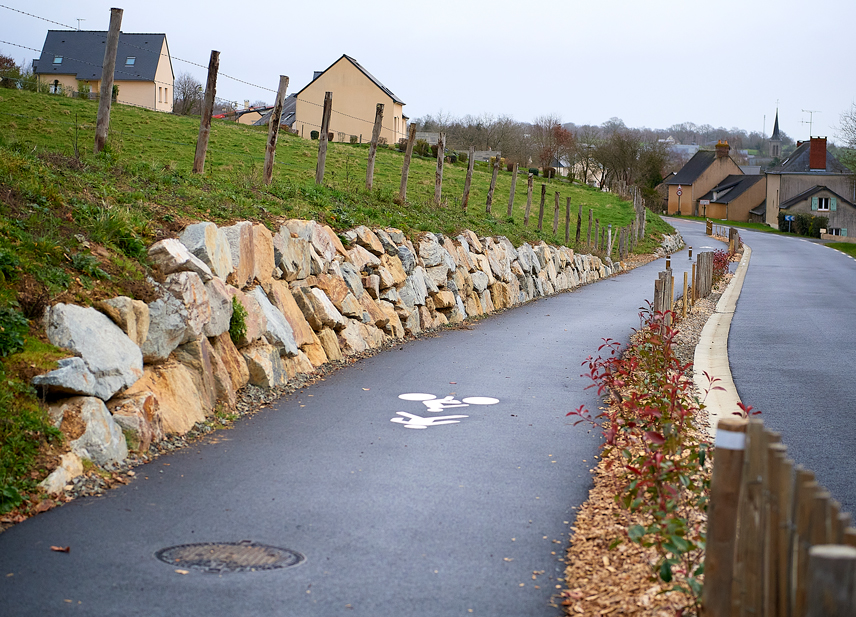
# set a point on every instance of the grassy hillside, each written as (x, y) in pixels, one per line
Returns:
(74, 226)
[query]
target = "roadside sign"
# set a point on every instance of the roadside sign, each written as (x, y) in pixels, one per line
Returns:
(704, 202)
(790, 217)
(679, 192)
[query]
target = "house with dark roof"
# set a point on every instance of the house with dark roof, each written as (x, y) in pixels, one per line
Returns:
(813, 181)
(704, 171)
(289, 105)
(356, 93)
(71, 61)
(734, 197)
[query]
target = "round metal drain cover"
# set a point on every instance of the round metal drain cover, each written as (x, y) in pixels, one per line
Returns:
(229, 557)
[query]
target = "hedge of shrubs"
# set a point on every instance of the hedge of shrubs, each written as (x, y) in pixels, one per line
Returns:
(804, 224)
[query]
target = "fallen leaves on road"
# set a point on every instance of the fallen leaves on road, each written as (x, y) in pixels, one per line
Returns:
(61, 549)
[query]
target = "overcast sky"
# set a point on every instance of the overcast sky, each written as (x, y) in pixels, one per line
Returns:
(652, 63)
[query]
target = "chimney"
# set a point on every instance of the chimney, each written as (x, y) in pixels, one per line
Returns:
(246, 104)
(722, 149)
(817, 153)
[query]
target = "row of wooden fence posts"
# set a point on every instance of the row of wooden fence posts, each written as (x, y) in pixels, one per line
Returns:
(777, 544)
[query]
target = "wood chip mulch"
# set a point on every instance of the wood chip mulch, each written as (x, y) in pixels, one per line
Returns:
(621, 581)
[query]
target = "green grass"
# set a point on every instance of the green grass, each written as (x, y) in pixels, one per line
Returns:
(845, 247)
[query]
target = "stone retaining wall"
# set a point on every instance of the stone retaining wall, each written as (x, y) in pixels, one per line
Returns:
(145, 371)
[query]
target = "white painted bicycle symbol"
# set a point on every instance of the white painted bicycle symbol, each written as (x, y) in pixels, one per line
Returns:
(436, 405)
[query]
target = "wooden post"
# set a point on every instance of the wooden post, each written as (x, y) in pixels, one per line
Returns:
(469, 180)
(556, 213)
(496, 163)
(684, 308)
(322, 139)
(819, 525)
(722, 516)
(529, 182)
(568, 221)
(438, 176)
(659, 292)
(588, 236)
(207, 112)
(596, 234)
(102, 122)
(850, 536)
(273, 128)
(579, 224)
(695, 286)
(747, 595)
(378, 122)
(804, 492)
(832, 581)
(513, 188)
(778, 481)
(405, 168)
(609, 241)
(541, 210)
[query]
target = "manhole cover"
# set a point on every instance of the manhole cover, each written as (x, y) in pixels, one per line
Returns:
(229, 557)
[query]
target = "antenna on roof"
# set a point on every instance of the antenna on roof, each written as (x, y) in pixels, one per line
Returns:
(810, 113)
(79, 19)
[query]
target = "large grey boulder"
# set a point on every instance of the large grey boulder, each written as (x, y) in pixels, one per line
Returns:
(278, 332)
(291, 255)
(240, 239)
(408, 259)
(102, 441)
(220, 301)
(210, 245)
(109, 361)
(167, 330)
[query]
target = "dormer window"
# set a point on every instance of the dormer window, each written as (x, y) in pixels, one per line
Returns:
(130, 60)
(57, 60)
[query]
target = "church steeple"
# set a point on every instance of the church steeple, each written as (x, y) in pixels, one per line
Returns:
(776, 139)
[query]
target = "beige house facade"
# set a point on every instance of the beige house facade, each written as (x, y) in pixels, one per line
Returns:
(734, 197)
(356, 94)
(809, 167)
(704, 171)
(71, 62)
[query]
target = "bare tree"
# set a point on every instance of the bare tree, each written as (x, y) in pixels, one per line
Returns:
(187, 94)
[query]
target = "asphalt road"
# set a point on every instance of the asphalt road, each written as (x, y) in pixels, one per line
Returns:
(466, 518)
(792, 349)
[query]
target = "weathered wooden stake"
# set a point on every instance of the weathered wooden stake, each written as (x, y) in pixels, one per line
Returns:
(102, 122)
(529, 183)
(588, 236)
(207, 112)
(597, 234)
(405, 168)
(438, 176)
(568, 221)
(378, 122)
(556, 213)
(496, 163)
(684, 308)
(832, 581)
(579, 225)
(273, 128)
(541, 210)
(322, 139)
(513, 189)
(804, 491)
(722, 516)
(747, 596)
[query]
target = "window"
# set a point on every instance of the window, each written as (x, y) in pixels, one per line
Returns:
(166, 95)
(57, 60)
(130, 60)
(160, 94)
(823, 203)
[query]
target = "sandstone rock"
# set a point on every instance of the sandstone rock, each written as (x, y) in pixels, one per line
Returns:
(351, 307)
(431, 319)
(480, 280)
(210, 376)
(322, 238)
(108, 362)
(461, 282)
(528, 260)
(500, 264)
(179, 404)
(318, 310)
(361, 258)
(70, 467)
(373, 336)
(317, 263)
(333, 287)
(240, 239)
(396, 235)
(484, 267)
(255, 320)
(297, 364)
(232, 360)
(443, 299)
(132, 316)
(376, 316)
(393, 326)
(473, 305)
(386, 278)
(278, 332)
(220, 301)
(433, 254)
(351, 340)
(265, 365)
(499, 293)
(472, 241)
(189, 289)
(508, 246)
(392, 296)
(392, 263)
(210, 245)
(330, 342)
(138, 415)
(414, 291)
(368, 240)
(282, 298)
(412, 322)
(102, 441)
(291, 255)
(263, 254)
(437, 275)
(170, 256)
(314, 351)
(371, 284)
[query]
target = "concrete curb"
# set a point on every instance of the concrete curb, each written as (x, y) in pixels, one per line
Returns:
(711, 353)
